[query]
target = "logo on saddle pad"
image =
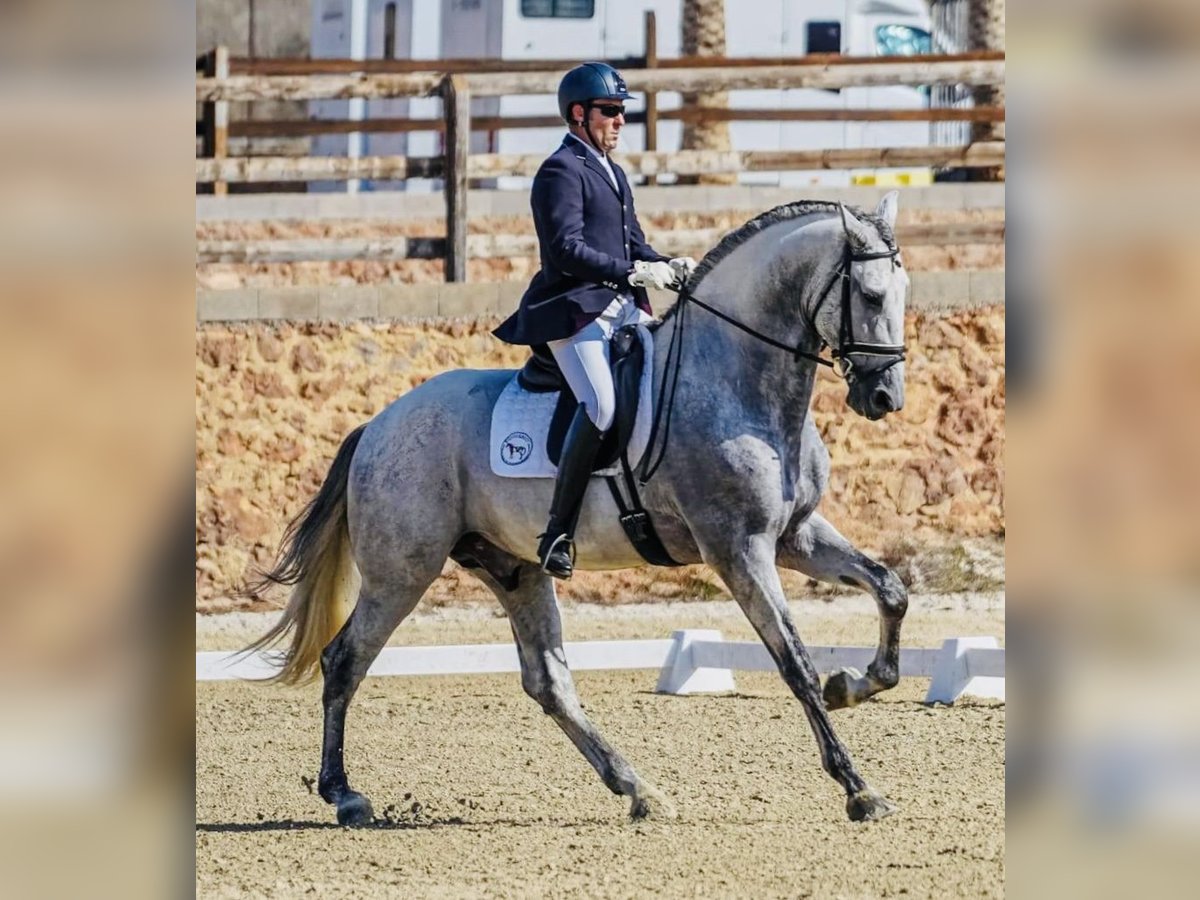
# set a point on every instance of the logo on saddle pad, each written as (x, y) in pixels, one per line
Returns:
(516, 448)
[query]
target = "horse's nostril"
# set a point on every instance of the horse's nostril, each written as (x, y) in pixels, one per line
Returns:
(882, 400)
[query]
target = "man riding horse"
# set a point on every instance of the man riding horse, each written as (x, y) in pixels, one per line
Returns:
(596, 266)
(737, 489)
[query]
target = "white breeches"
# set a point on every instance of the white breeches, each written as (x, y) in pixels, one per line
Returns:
(583, 359)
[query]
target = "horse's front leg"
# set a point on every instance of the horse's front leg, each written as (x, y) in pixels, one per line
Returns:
(748, 569)
(819, 551)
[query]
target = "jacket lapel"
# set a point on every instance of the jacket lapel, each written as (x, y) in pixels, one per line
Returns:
(594, 164)
(622, 181)
(579, 151)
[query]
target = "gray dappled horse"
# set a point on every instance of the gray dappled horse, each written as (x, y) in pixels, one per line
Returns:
(737, 488)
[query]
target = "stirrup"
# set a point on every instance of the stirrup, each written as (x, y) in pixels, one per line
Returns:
(554, 546)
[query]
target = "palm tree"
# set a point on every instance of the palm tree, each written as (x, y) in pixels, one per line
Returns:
(704, 35)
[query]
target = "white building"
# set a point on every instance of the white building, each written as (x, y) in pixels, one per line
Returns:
(611, 29)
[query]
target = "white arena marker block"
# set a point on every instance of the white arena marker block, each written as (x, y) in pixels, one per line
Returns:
(952, 675)
(219, 665)
(680, 675)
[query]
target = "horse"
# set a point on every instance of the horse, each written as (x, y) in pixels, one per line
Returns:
(735, 485)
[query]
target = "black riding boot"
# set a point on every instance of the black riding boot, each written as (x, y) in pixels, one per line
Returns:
(574, 469)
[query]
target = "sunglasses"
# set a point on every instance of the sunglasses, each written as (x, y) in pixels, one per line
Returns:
(609, 110)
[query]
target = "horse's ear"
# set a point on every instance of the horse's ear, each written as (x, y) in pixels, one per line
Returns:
(852, 226)
(888, 207)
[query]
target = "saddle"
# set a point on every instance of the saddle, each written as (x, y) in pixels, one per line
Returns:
(541, 375)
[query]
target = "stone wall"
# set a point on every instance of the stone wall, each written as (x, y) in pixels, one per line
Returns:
(274, 401)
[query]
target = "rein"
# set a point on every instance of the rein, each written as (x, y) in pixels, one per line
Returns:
(685, 296)
(841, 362)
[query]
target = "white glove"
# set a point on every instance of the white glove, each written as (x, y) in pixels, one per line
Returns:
(651, 274)
(683, 266)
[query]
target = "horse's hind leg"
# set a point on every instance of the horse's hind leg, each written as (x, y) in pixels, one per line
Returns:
(344, 663)
(533, 614)
(819, 551)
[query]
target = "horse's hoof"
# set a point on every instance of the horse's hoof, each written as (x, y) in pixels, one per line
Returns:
(867, 806)
(651, 804)
(839, 689)
(355, 811)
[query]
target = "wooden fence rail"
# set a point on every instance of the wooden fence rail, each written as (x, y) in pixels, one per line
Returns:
(251, 169)
(697, 80)
(682, 162)
(283, 128)
(510, 246)
(242, 65)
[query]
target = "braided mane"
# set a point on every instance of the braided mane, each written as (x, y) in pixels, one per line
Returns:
(763, 221)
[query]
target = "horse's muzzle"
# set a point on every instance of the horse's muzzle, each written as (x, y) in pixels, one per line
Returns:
(875, 395)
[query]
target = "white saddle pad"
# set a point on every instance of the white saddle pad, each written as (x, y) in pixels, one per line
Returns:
(521, 424)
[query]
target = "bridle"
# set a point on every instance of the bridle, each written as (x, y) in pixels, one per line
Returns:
(841, 361)
(847, 345)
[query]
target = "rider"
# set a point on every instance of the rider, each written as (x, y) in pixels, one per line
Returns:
(596, 266)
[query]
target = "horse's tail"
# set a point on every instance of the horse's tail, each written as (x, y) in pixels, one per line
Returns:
(315, 560)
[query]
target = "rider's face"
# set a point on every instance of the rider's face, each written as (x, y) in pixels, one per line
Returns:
(606, 129)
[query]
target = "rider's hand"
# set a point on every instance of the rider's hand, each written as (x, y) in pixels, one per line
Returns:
(683, 266)
(651, 274)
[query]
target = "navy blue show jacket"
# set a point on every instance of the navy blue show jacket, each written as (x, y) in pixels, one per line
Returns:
(589, 237)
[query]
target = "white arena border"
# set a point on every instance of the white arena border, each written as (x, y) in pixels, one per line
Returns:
(692, 661)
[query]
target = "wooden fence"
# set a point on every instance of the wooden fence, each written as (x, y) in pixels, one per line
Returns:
(292, 128)
(508, 246)
(875, 72)
(223, 80)
(681, 162)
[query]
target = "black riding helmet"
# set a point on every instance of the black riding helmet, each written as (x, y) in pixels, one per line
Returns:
(586, 83)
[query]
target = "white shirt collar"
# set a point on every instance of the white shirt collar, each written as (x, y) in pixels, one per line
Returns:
(596, 153)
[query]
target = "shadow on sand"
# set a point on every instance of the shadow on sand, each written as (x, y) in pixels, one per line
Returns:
(387, 824)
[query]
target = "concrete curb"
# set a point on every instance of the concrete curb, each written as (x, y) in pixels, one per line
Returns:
(928, 291)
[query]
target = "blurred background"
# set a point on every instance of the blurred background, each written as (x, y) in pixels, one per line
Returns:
(96, 341)
(1104, 553)
(98, 285)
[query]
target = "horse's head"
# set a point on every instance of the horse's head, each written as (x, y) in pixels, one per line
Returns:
(834, 279)
(860, 313)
